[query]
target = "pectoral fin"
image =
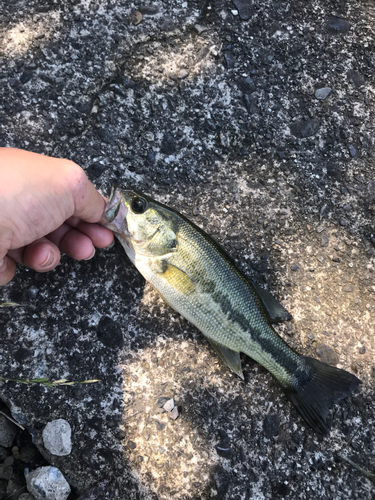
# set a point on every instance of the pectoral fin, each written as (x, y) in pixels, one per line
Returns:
(275, 310)
(178, 279)
(230, 358)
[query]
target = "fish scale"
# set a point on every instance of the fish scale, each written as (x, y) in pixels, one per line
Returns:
(199, 280)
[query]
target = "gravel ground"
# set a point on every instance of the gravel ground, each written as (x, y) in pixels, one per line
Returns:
(255, 119)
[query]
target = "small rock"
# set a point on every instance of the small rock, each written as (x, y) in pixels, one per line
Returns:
(57, 437)
(271, 424)
(168, 145)
(159, 425)
(373, 371)
(25, 77)
(136, 17)
(47, 483)
(348, 288)
(229, 59)
(184, 73)
(8, 432)
(223, 450)
(353, 152)
(294, 267)
(95, 170)
(343, 222)
(245, 8)
(161, 401)
(323, 93)
(304, 128)
(325, 241)
(336, 25)
(169, 405)
(327, 354)
(362, 350)
(132, 445)
(174, 413)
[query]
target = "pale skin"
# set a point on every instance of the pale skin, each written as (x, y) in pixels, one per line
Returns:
(47, 206)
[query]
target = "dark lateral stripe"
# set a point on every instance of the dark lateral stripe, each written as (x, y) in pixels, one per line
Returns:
(271, 344)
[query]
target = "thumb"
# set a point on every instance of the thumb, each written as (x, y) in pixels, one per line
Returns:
(7, 270)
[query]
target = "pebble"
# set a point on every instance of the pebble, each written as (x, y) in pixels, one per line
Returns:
(353, 152)
(57, 437)
(323, 93)
(336, 25)
(325, 241)
(47, 483)
(160, 426)
(245, 9)
(343, 222)
(169, 405)
(348, 288)
(161, 401)
(327, 354)
(8, 432)
(304, 128)
(136, 17)
(294, 267)
(174, 413)
(362, 350)
(184, 73)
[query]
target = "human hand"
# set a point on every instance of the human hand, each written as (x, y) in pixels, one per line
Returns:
(47, 206)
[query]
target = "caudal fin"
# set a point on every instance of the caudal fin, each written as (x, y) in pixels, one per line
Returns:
(316, 388)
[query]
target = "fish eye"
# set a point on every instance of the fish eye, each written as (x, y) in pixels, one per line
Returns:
(138, 205)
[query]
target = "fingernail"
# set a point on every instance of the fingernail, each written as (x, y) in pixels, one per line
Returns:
(111, 245)
(48, 261)
(91, 256)
(3, 265)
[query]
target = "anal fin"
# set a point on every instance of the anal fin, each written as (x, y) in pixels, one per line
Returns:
(276, 311)
(230, 358)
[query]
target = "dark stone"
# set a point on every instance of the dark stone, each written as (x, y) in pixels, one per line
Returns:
(259, 267)
(104, 135)
(336, 26)
(149, 10)
(362, 350)
(245, 8)
(304, 128)
(327, 354)
(325, 241)
(95, 170)
(109, 333)
(356, 78)
(132, 445)
(168, 145)
(160, 426)
(294, 267)
(229, 59)
(25, 77)
(223, 449)
(161, 401)
(271, 424)
(353, 152)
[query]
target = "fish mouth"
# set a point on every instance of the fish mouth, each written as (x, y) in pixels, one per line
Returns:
(115, 213)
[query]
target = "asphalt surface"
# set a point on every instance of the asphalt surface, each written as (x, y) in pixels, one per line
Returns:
(256, 121)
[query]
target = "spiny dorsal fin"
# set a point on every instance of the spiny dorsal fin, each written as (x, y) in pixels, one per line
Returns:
(275, 310)
(230, 358)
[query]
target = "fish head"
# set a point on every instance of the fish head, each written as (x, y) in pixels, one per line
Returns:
(140, 223)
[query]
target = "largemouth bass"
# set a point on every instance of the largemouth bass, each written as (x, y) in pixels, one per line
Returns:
(197, 278)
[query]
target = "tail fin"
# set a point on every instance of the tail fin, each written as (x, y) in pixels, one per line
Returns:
(316, 388)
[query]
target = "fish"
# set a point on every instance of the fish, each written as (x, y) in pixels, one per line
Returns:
(199, 280)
